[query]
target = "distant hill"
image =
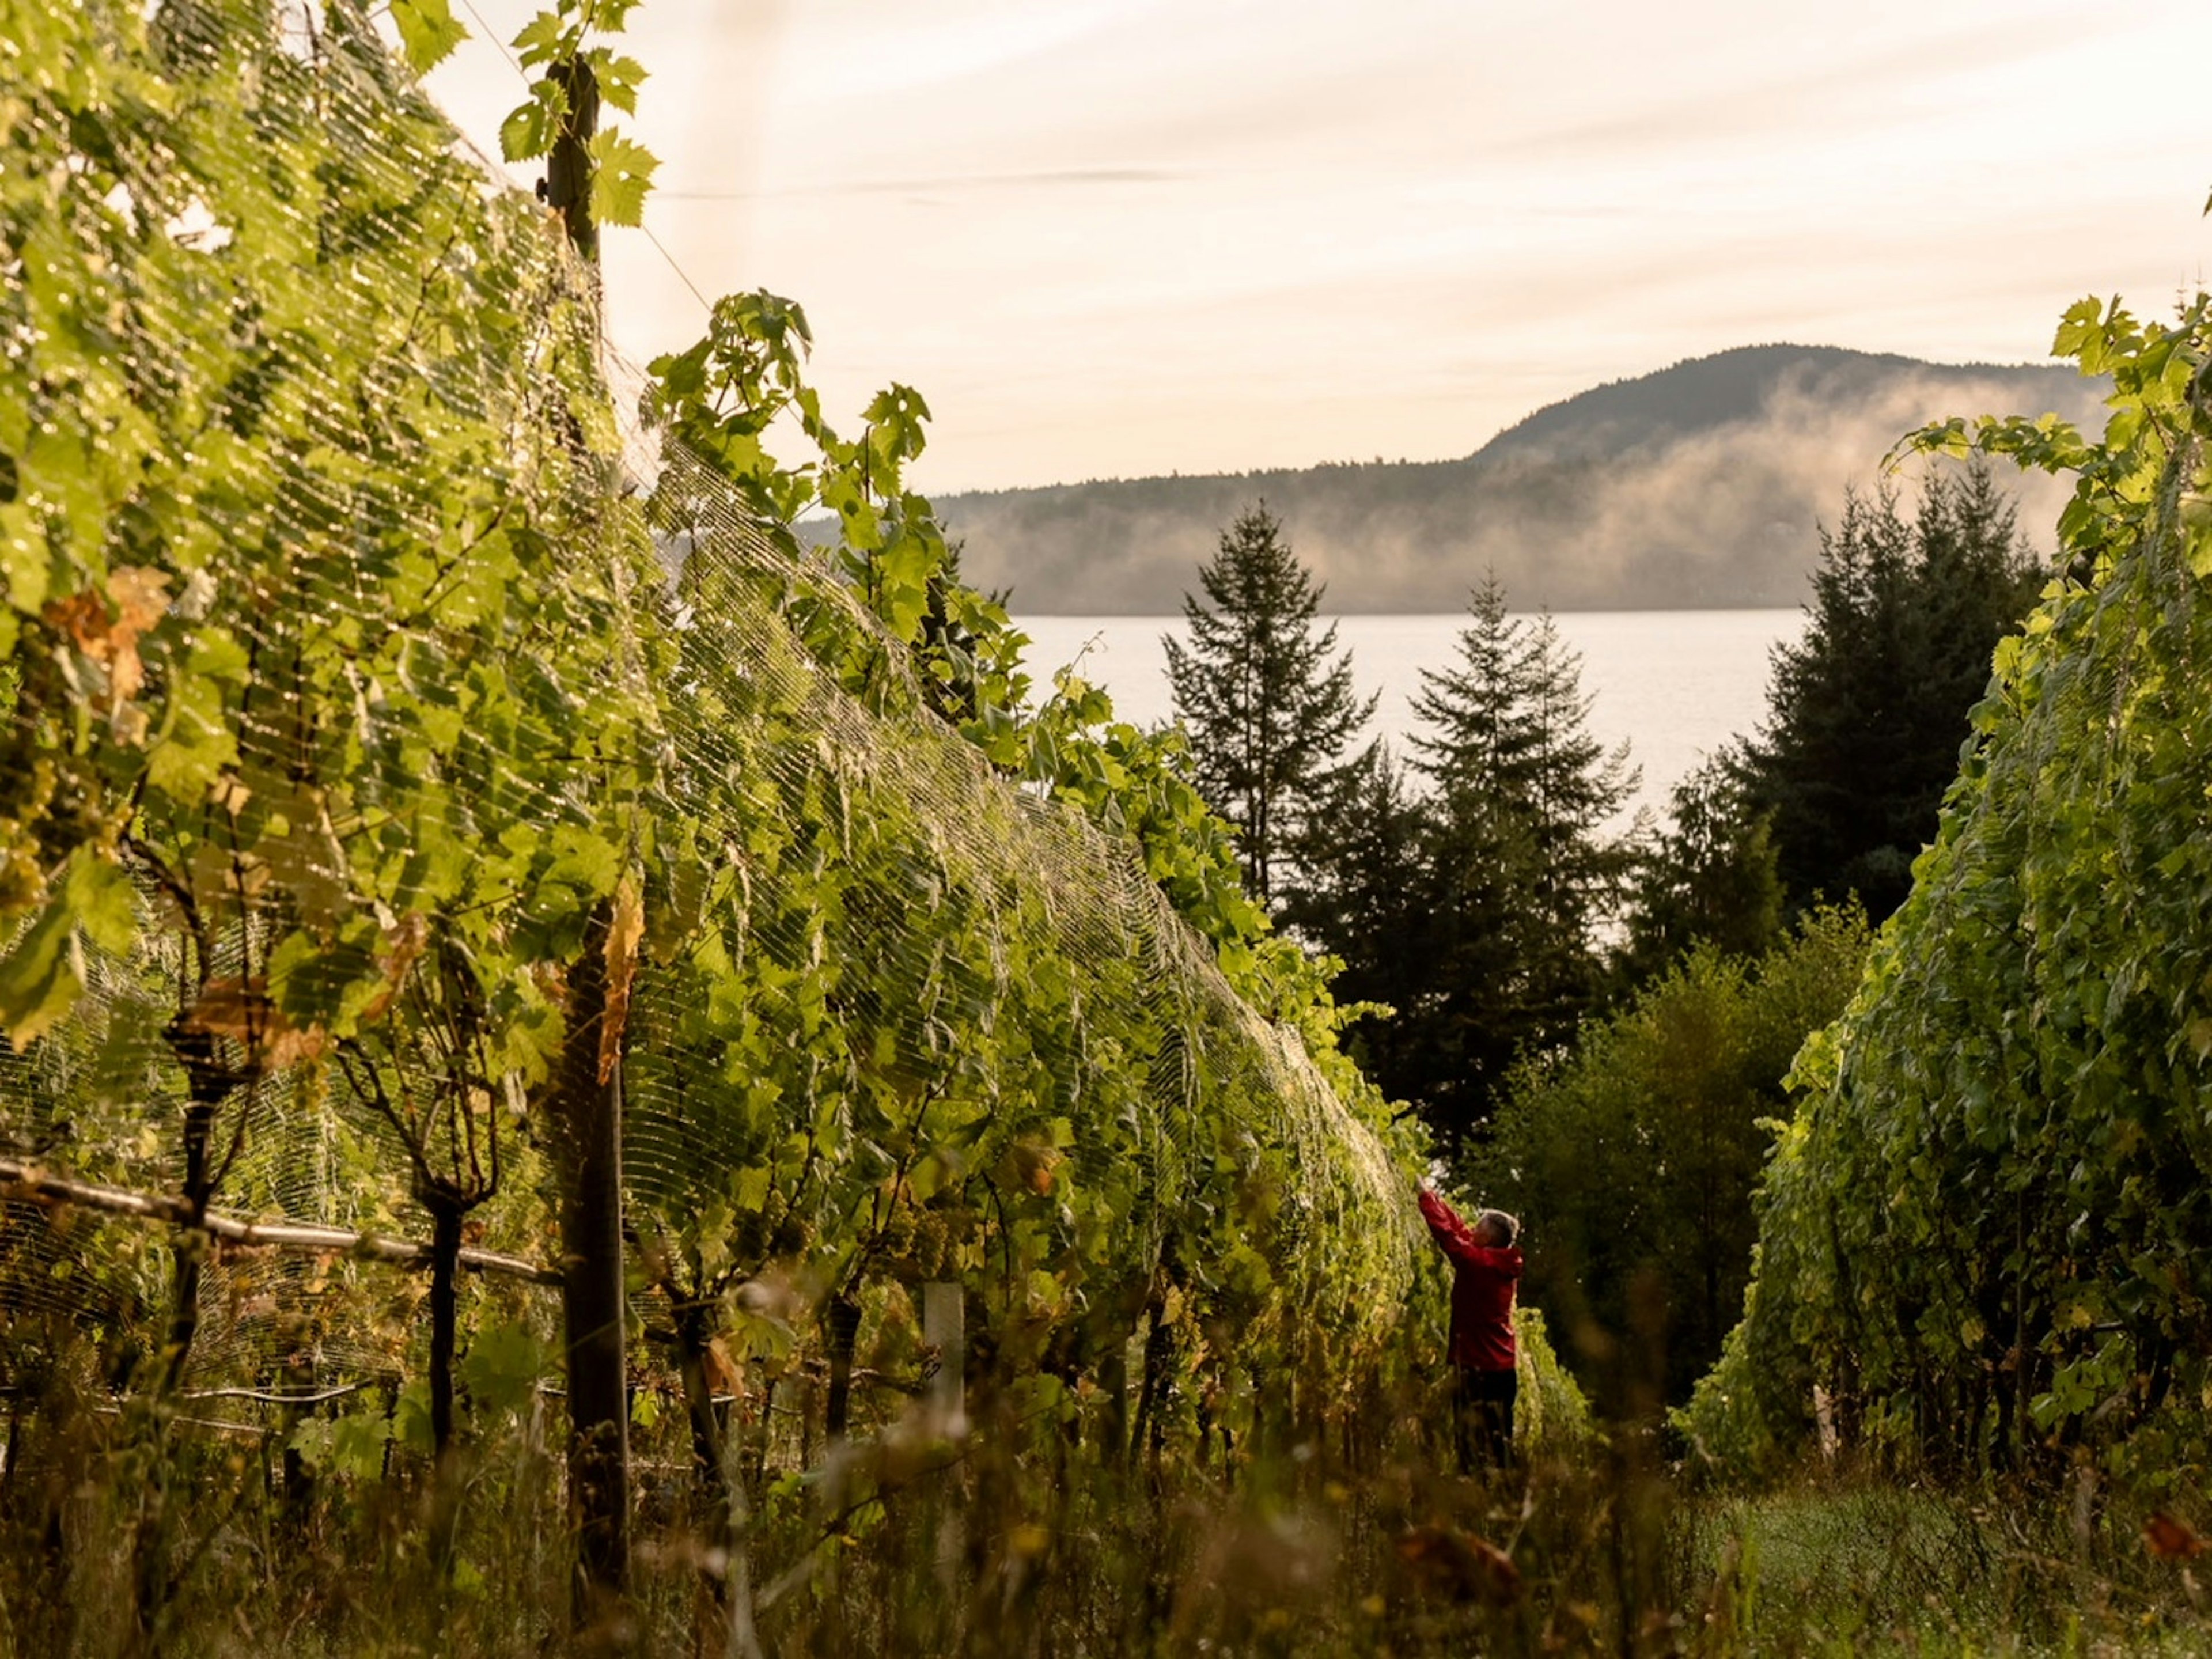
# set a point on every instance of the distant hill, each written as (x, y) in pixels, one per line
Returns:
(1700, 487)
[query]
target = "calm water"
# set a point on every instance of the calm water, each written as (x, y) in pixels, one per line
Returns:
(1676, 685)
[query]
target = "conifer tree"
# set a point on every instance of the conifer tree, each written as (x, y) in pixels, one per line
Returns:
(1268, 703)
(1360, 892)
(1472, 909)
(1707, 878)
(1866, 712)
(1521, 870)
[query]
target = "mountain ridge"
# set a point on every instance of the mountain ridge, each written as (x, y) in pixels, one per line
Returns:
(1702, 485)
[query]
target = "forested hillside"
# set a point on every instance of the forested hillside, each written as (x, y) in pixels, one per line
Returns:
(1699, 486)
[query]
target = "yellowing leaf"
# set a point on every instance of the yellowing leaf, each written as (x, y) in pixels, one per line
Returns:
(724, 1375)
(625, 929)
(106, 626)
(404, 942)
(238, 1011)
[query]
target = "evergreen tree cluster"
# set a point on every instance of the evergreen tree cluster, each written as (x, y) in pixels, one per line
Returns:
(1498, 871)
(1707, 876)
(1476, 891)
(1464, 888)
(1867, 712)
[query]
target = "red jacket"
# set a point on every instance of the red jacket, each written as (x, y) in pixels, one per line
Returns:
(1482, 1291)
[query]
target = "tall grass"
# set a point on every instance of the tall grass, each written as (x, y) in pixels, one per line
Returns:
(1037, 1534)
(921, 1549)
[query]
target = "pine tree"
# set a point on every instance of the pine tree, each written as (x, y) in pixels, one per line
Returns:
(1361, 893)
(1520, 873)
(1707, 878)
(1868, 711)
(1268, 705)
(1473, 909)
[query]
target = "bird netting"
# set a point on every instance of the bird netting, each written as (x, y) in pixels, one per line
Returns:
(393, 739)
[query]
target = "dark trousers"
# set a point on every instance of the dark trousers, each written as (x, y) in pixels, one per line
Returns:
(1482, 1417)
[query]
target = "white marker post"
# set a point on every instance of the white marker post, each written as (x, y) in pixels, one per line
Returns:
(943, 1327)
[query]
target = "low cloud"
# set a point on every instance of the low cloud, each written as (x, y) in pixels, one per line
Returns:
(1626, 498)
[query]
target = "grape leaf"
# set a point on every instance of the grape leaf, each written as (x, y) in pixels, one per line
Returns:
(622, 174)
(428, 32)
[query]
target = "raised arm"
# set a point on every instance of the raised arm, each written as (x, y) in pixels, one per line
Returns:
(1454, 1237)
(1459, 1241)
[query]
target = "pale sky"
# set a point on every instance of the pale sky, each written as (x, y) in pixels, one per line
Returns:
(1107, 238)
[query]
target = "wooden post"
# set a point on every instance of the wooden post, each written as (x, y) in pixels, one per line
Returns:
(568, 167)
(587, 1113)
(589, 1116)
(841, 1328)
(945, 1327)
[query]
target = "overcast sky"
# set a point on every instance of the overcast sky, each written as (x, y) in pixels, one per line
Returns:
(1115, 237)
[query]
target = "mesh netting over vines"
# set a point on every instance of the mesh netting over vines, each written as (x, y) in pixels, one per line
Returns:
(1984, 1235)
(392, 734)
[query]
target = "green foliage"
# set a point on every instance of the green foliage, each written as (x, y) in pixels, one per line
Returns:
(573, 76)
(721, 398)
(1268, 712)
(1868, 709)
(944, 1170)
(428, 32)
(351, 1446)
(1473, 912)
(1633, 1155)
(1983, 1233)
(621, 174)
(170, 585)
(1364, 896)
(1551, 1415)
(1002, 1125)
(529, 128)
(503, 1367)
(1709, 876)
(359, 725)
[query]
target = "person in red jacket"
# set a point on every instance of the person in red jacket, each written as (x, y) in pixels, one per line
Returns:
(1486, 1267)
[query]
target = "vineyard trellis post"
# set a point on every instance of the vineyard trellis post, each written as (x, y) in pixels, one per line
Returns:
(587, 1111)
(587, 1108)
(944, 1328)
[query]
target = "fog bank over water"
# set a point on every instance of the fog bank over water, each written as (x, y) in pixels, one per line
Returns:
(1674, 686)
(1701, 487)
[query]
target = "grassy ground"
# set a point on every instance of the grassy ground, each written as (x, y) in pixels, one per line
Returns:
(1848, 1564)
(1062, 1549)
